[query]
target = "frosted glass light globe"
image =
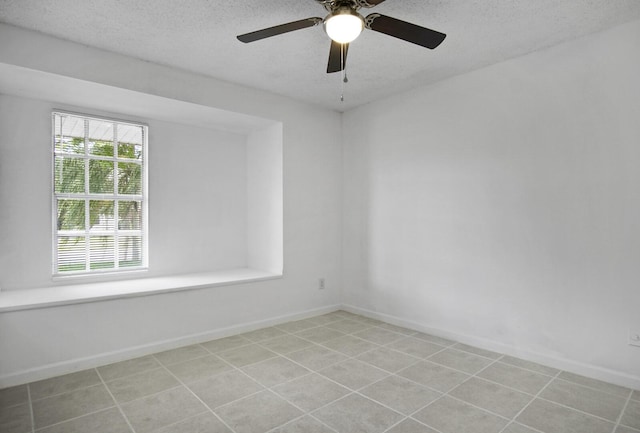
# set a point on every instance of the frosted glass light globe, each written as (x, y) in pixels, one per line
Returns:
(344, 27)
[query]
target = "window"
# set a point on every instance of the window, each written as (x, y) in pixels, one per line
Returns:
(99, 195)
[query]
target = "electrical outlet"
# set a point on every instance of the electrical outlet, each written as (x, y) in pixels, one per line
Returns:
(634, 336)
(321, 285)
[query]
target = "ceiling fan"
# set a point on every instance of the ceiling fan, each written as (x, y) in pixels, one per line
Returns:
(344, 24)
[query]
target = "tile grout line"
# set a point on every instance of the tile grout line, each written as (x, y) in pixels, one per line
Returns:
(624, 388)
(180, 362)
(576, 410)
(529, 404)
(514, 422)
(407, 337)
(207, 410)
(115, 401)
(237, 399)
(104, 409)
(31, 413)
(471, 375)
(211, 352)
(150, 395)
(305, 329)
(417, 359)
(304, 413)
(447, 394)
(311, 413)
(68, 391)
(590, 388)
(196, 396)
(408, 418)
(75, 417)
(321, 422)
(130, 374)
(624, 408)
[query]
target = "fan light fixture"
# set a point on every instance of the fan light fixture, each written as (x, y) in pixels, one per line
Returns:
(343, 25)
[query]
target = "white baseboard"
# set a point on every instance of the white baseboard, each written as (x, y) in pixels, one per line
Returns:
(568, 365)
(73, 365)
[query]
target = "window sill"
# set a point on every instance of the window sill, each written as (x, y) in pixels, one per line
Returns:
(15, 300)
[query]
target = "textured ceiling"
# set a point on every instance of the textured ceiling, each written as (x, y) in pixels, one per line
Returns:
(199, 36)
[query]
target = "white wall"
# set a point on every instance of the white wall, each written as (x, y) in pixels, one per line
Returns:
(197, 199)
(502, 206)
(264, 199)
(41, 342)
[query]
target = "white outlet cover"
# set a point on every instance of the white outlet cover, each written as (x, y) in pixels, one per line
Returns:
(634, 337)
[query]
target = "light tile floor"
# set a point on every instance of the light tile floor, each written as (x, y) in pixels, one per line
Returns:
(333, 373)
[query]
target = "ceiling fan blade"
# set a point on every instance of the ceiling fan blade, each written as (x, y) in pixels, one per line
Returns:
(278, 30)
(403, 30)
(368, 3)
(337, 57)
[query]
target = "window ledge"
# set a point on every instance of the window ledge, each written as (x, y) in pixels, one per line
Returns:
(15, 300)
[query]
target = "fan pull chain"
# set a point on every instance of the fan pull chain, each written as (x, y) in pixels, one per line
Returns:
(344, 72)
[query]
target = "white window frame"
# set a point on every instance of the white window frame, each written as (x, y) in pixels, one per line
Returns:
(87, 196)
